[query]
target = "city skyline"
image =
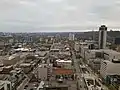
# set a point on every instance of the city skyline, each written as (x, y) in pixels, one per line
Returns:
(58, 15)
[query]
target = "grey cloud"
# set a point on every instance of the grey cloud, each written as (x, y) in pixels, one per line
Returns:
(57, 14)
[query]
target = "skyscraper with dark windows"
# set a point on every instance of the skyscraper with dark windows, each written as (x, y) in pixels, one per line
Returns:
(102, 36)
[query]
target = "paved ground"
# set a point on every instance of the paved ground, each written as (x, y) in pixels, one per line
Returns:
(80, 80)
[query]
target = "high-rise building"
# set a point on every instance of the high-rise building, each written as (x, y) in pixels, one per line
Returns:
(71, 36)
(102, 37)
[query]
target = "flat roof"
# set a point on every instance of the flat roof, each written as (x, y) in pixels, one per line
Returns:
(107, 61)
(25, 64)
(89, 76)
(62, 71)
(64, 61)
(109, 51)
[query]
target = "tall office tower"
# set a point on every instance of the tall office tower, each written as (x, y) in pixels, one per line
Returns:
(71, 36)
(102, 37)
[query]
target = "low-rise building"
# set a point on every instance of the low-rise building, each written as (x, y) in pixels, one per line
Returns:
(17, 78)
(11, 60)
(83, 48)
(44, 71)
(106, 54)
(64, 63)
(41, 53)
(26, 67)
(109, 68)
(95, 64)
(64, 73)
(5, 85)
(54, 51)
(6, 69)
(111, 54)
(77, 46)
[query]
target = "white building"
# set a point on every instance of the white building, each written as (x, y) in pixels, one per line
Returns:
(83, 50)
(71, 36)
(109, 68)
(64, 63)
(77, 46)
(111, 54)
(102, 37)
(5, 85)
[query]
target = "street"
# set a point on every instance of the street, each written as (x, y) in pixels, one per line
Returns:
(80, 80)
(95, 75)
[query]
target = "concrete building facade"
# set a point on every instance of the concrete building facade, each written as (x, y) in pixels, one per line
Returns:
(109, 68)
(5, 85)
(102, 37)
(44, 71)
(71, 36)
(77, 46)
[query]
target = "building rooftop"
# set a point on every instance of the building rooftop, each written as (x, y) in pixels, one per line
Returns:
(109, 51)
(64, 61)
(41, 53)
(89, 76)
(13, 56)
(61, 71)
(25, 64)
(107, 61)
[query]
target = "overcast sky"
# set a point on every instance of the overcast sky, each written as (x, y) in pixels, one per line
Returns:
(58, 15)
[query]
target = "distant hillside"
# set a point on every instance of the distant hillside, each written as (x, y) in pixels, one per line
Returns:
(113, 34)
